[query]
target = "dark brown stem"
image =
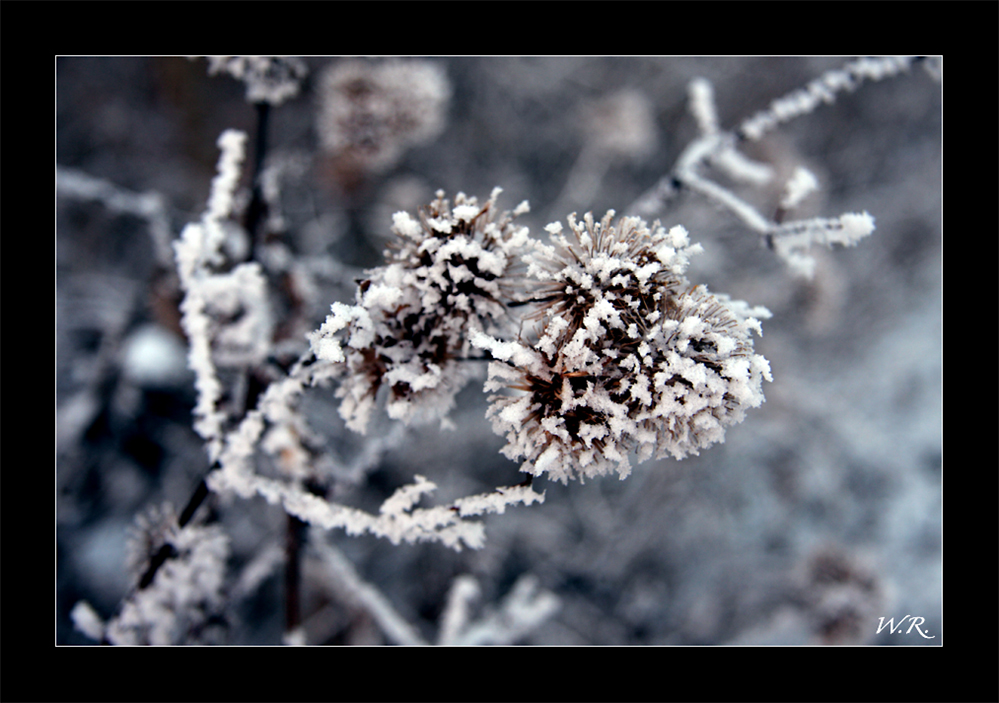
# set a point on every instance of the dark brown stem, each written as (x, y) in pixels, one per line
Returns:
(257, 209)
(293, 573)
(200, 493)
(167, 551)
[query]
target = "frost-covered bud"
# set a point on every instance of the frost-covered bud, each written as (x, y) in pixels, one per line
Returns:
(449, 274)
(630, 357)
(370, 113)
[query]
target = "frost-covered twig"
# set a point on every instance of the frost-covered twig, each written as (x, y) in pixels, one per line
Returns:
(363, 595)
(525, 607)
(718, 148)
(198, 248)
(150, 206)
(238, 295)
(397, 520)
(792, 240)
(822, 90)
(187, 592)
(241, 292)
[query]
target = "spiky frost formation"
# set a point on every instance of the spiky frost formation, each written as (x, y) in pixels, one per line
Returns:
(630, 356)
(449, 274)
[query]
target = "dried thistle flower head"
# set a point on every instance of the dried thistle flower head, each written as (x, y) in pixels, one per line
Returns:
(601, 276)
(370, 113)
(449, 274)
(630, 356)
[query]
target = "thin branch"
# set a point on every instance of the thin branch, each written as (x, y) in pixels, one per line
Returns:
(256, 212)
(294, 534)
(718, 148)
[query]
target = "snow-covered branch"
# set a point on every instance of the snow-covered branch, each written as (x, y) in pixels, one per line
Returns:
(357, 592)
(524, 608)
(719, 149)
(822, 90)
(397, 520)
(150, 206)
(197, 251)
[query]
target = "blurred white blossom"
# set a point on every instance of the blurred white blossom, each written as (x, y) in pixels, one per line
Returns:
(622, 124)
(369, 113)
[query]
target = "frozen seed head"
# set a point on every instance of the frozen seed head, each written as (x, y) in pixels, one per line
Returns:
(448, 275)
(600, 278)
(371, 112)
(630, 357)
(268, 79)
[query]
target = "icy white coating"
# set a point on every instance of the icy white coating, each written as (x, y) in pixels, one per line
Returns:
(630, 357)
(792, 240)
(268, 79)
(219, 337)
(448, 277)
(187, 589)
(822, 90)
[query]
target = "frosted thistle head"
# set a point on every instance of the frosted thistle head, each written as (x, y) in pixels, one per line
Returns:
(629, 357)
(449, 273)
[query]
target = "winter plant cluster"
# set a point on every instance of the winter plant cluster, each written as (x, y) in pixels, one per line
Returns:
(600, 351)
